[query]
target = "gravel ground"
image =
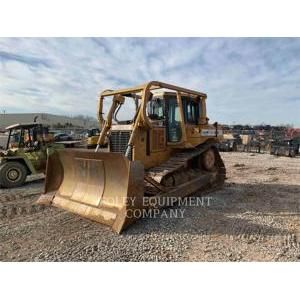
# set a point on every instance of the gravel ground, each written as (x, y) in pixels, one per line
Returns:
(255, 217)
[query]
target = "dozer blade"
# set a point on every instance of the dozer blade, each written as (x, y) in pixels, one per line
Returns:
(96, 185)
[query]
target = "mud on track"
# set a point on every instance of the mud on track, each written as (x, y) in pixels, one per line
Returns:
(254, 218)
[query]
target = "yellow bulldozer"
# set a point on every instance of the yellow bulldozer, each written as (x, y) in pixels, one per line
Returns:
(165, 148)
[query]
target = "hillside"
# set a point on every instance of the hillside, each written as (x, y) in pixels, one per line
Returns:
(49, 119)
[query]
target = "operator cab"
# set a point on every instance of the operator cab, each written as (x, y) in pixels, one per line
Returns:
(163, 111)
(28, 136)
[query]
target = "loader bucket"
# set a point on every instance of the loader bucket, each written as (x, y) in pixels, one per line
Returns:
(100, 186)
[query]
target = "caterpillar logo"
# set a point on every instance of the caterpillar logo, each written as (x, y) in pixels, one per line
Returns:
(211, 132)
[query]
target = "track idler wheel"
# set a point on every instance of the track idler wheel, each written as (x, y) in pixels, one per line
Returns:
(208, 160)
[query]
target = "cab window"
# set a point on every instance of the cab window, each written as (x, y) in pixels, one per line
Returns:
(156, 109)
(174, 131)
(191, 110)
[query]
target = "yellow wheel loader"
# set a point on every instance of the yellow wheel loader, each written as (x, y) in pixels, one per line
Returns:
(164, 149)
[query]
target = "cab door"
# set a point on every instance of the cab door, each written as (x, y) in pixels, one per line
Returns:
(175, 120)
(157, 134)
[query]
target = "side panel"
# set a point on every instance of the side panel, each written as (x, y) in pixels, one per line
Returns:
(149, 148)
(37, 159)
(158, 139)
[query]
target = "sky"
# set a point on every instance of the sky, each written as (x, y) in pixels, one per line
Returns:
(247, 80)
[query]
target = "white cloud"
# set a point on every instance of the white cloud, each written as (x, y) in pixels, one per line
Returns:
(247, 80)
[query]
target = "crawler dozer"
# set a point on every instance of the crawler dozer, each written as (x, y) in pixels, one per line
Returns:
(165, 149)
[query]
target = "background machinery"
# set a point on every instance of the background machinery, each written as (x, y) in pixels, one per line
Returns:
(159, 146)
(25, 153)
(92, 137)
(26, 150)
(286, 147)
(229, 142)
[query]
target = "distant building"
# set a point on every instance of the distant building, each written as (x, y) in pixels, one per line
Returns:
(47, 119)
